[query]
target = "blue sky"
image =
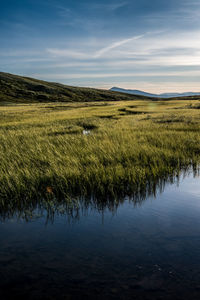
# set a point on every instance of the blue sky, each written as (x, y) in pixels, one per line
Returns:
(149, 45)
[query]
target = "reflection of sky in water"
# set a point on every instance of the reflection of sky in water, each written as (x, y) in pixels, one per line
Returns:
(149, 250)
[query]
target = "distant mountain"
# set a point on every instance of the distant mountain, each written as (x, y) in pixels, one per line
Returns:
(173, 95)
(164, 95)
(16, 89)
(132, 92)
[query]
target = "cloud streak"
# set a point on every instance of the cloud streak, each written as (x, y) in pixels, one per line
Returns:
(120, 75)
(110, 6)
(97, 54)
(117, 44)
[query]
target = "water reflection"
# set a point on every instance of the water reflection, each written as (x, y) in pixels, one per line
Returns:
(75, 207)
(86, 132)
(134, 247)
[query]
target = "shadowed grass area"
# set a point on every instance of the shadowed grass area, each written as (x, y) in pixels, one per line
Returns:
(45, 155)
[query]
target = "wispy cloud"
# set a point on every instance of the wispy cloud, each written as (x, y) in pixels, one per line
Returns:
(164, 48)
(114, 45)
(72, 53)
(118, 5)
(120, 75)
(67, 53)
(110, 6)
(20, 53)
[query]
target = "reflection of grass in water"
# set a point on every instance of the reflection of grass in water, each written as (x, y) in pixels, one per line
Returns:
(40, 149)
(75, 207)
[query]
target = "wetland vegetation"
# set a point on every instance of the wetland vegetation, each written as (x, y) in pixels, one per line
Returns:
(129, 145)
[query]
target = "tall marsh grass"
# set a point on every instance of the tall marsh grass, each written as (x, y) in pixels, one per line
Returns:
(45, 155)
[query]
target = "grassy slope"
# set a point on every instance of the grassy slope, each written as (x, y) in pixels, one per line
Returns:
(19, 89)
(132, 145)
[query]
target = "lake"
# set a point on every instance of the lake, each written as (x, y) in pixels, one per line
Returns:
(145, 248)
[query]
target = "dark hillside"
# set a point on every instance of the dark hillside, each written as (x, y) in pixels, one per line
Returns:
(18, 89)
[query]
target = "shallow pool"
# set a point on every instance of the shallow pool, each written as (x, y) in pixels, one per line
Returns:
(148, 249)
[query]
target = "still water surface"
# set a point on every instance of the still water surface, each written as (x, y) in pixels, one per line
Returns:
(149, 250)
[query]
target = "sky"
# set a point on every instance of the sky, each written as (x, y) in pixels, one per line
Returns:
(139, 44)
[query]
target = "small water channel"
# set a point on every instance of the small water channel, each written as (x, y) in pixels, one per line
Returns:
(147, 249)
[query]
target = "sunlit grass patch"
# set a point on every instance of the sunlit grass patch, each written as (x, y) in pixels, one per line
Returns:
(46, 155)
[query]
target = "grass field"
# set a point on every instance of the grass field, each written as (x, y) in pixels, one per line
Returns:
(104, 149)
